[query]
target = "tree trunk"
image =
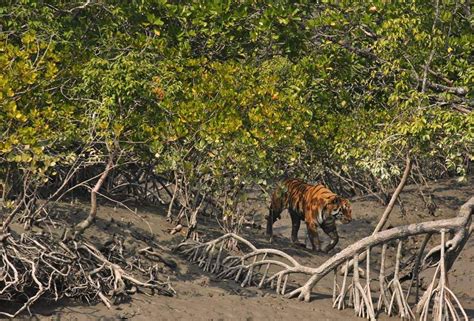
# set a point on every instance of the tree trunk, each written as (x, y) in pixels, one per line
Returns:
(395, 195)
(388, 209)
(80, 227)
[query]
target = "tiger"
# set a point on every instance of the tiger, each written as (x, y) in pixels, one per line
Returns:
(316, 205)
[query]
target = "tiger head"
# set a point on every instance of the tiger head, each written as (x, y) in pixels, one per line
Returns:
(340, 209)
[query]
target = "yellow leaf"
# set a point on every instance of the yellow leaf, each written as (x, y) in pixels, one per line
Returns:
(28, 38)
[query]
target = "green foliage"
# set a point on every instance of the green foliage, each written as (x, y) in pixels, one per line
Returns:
(231, 119)
(34, 118)
(238, 92)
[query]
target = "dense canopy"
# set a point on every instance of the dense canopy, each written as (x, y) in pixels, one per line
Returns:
(235, 93)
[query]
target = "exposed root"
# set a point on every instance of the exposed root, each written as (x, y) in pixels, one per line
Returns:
(206, 255)
(176, 229)
(383, 302)
(415, 278)
(303, 292)
(224, 257)
(214, 256)
(446, 305)
(359, 297)
(339, 299)
(398, 301)
(367, 308)
(33, 266)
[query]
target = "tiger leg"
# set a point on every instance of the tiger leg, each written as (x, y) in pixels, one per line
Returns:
(272, 217)
(276, 207)
(331, 231)
(295, 226)
(313, 236)
(270, 220)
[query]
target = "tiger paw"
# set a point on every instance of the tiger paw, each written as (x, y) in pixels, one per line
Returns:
(328, 249)
(299, 244)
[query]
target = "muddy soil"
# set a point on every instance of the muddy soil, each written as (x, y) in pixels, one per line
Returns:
(201, 297)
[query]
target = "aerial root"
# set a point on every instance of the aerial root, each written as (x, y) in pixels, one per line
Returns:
(383, 301)
(339, 297)
(249, 266)
(446, 305)
(258, 267)
(367, 306)
(360, 298)
(398, 302)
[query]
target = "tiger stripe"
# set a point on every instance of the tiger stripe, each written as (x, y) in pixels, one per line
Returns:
(316, 205)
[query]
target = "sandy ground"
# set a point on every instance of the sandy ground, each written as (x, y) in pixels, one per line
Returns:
(201, 297)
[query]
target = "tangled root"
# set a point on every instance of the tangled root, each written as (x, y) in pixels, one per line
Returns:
(34, 266)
